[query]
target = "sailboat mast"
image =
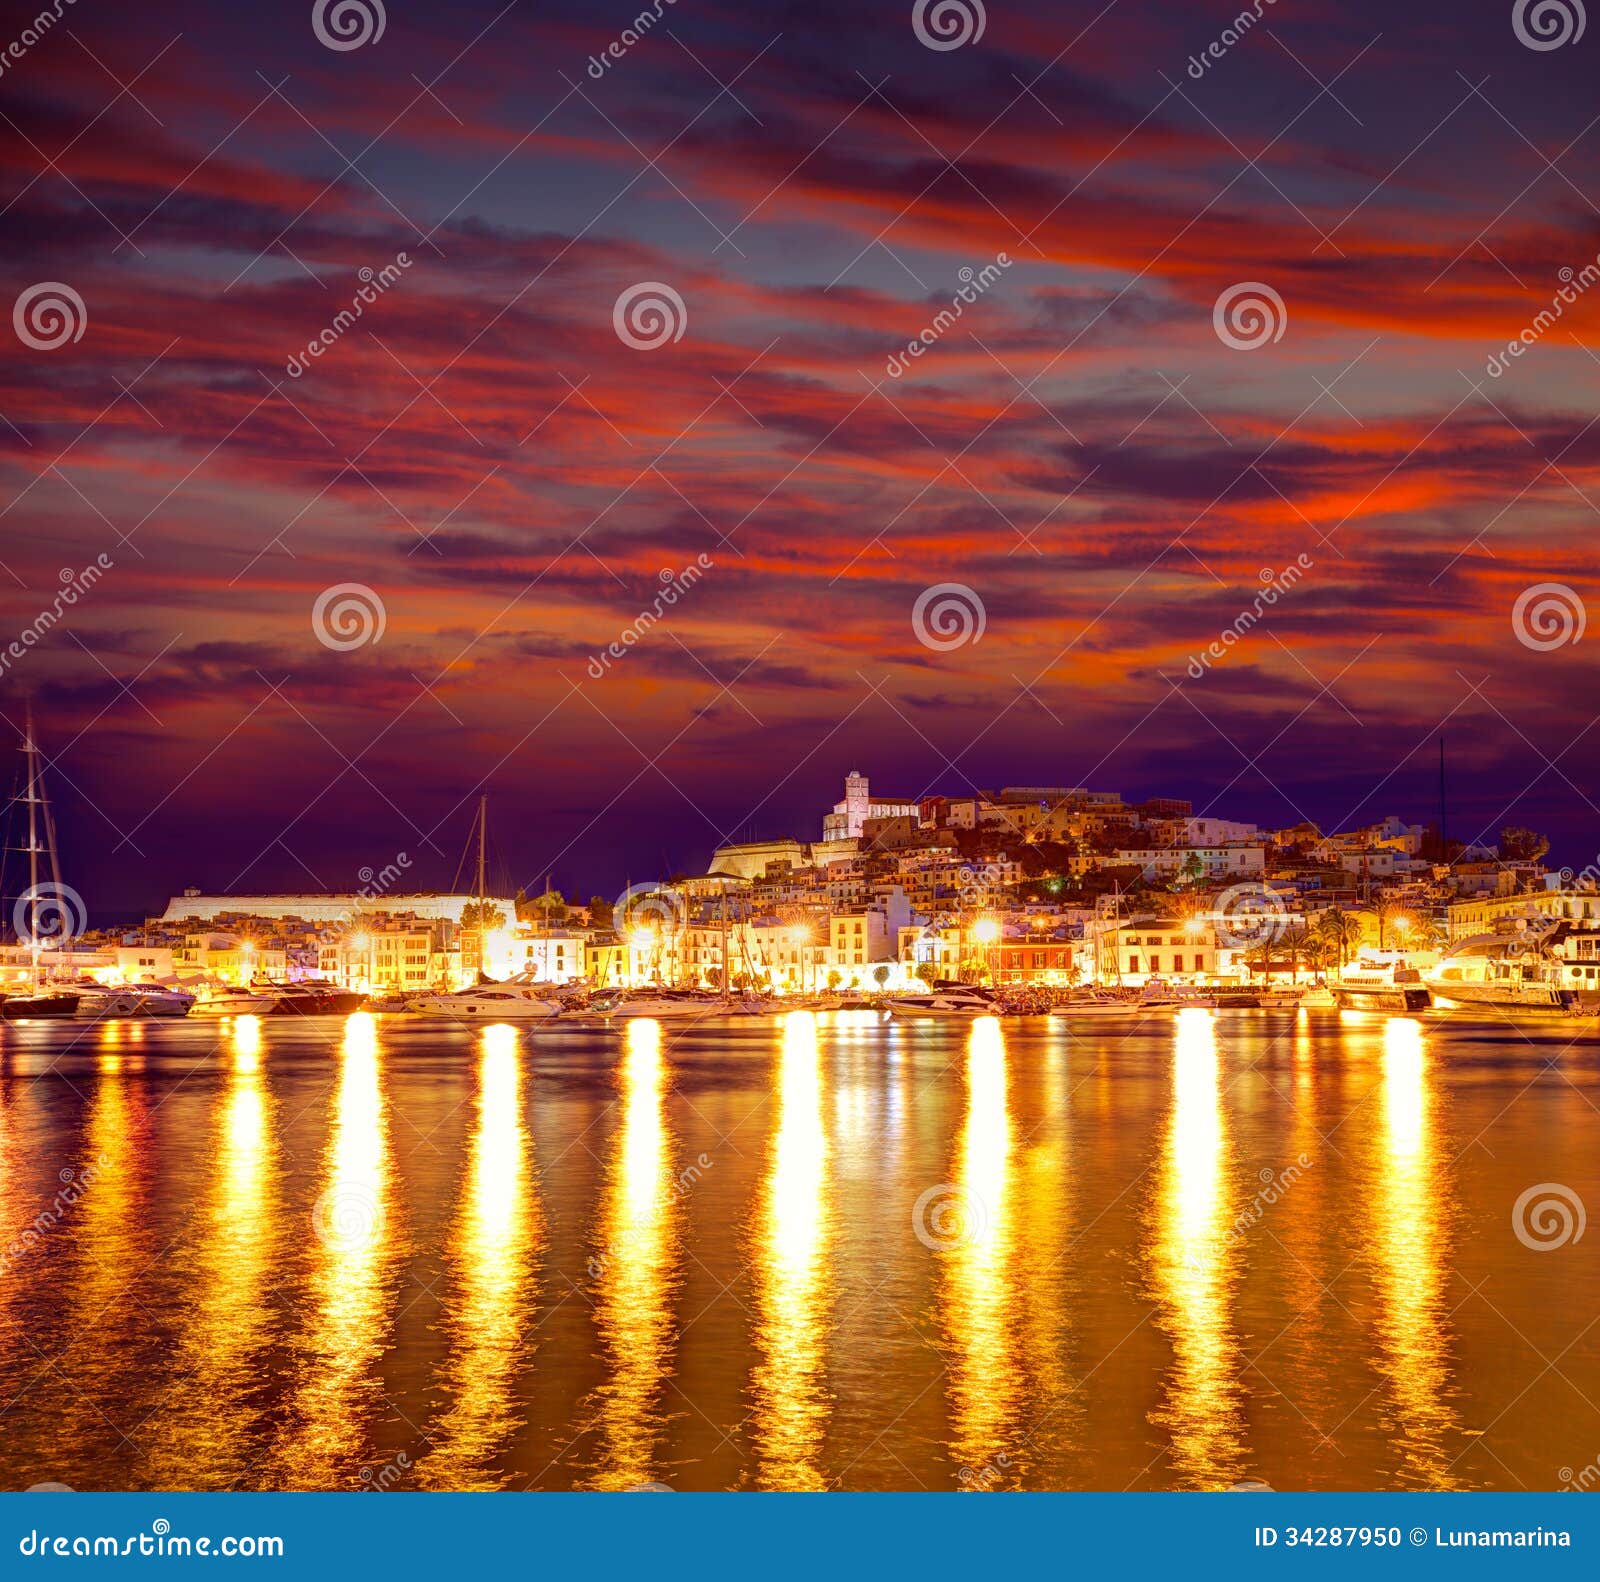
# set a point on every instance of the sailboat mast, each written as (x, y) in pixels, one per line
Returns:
(31, 752)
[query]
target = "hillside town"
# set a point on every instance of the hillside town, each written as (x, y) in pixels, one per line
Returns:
(1025, 887)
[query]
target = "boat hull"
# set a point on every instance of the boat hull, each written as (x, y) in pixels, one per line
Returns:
(38, 1007)
(1381, 997)
(1506, 996)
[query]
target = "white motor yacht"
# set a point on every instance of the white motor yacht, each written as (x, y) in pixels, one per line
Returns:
(235, 1002)
(1100, 1004)
(489, 1002)
(97, 1000)
(956, 1001)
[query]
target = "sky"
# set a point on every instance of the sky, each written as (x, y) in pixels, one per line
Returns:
(636, 307)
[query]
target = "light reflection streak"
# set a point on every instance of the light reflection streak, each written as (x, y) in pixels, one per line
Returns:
(790, 1266)
(979, 1296)
(204, 1439)
(1409, 1239)
(637, 1263)
(355, 1244)
(496, 1230)
(1194, 1269)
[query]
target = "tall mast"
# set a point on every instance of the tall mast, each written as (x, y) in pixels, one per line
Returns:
(483, 836)
(33, 847)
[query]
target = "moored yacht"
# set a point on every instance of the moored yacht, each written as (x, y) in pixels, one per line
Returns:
(1380, 980)
(489, 1002)
(955, 1000)
(97, 1001)
(1516, 972)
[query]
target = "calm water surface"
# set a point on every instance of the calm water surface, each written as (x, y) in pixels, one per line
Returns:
(821, 1252)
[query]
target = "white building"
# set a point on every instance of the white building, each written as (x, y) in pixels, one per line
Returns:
(848, 817)
(324, 908)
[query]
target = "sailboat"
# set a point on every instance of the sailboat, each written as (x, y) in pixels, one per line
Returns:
(39, 900)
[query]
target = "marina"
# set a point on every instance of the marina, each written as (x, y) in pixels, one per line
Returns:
(834, 1250)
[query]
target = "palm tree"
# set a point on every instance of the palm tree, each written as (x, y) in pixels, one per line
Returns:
(1341, 930)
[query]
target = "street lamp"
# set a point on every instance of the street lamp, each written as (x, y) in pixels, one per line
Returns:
(986, 931)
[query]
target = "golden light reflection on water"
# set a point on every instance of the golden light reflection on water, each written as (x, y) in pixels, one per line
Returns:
(978, 1296)
(354, 1237)
(203, 1438)
(494, 1286)
(1193, 1268)
(790, 1268)
(1409, 1238)
(637, 1269)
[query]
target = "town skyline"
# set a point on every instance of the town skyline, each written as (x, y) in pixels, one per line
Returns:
(646, 430)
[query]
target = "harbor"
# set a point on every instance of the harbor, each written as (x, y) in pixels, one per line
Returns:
(820, 1250)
